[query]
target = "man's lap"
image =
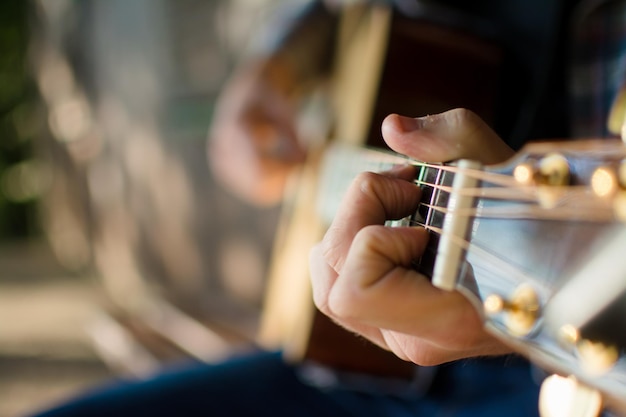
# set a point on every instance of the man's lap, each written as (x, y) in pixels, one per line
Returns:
(262, 384)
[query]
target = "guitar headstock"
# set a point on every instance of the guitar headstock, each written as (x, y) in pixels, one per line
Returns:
(597, 165)
(547, 263)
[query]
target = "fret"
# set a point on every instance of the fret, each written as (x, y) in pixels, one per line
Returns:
(438, 197)
(428, 179)
(436, 211)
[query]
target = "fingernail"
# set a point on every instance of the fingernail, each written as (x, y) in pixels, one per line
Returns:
(409, 124)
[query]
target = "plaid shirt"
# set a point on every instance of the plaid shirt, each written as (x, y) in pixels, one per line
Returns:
(598, 66)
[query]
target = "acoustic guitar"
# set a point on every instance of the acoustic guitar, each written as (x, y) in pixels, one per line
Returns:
(387, 62)
(536, 244)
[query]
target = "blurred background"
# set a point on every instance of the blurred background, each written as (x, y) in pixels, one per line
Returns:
(118, 252)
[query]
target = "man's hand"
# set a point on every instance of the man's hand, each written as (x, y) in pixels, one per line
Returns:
(361, 271)
(252, 143)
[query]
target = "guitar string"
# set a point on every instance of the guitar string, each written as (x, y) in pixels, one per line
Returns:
(559, 194)
(550, 202)
(580, 212)
(541, 202)
(497, 264)
(571, 203)
(536, 202)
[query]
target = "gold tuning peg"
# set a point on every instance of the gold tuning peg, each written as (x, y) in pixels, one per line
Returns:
(552, 169)
(609, 181)
(595, 357)
(604, 181)
(524, 173)
(567, 397)
(522, 309)
(549, 173)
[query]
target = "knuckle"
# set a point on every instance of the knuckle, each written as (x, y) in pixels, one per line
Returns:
(367, 182)
(342, 307)
(368, 238)
(330, 248)
(461, 117)
(366, 243)
(321, 302)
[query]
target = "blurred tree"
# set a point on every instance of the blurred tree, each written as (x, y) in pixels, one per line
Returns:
(17, 97)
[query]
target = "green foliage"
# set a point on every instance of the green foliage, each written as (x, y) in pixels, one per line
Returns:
(16, 97)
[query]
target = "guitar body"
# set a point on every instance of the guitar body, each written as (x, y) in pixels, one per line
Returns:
(386, 63)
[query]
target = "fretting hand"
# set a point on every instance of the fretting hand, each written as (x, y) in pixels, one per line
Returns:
(361, 271)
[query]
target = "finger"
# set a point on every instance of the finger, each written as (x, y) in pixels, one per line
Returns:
(378, 293)
(377, 269)
(447, 136)
(323, 278)
(370, 199)
(379, 287)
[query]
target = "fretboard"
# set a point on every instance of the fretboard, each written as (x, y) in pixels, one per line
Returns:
(430, 179)
(436, 182)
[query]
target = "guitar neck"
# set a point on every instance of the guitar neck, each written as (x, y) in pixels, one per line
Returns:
(512, 236)
(437, 182)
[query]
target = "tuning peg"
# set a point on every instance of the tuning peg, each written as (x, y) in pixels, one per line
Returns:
(595, 357)
(522, 309)
(552, 169)
(569, 335)
(604, 181)
(610, 182)
(524, 173)
(608, 179)
(567, 397)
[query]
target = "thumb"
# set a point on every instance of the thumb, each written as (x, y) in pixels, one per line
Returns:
(455, 134)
